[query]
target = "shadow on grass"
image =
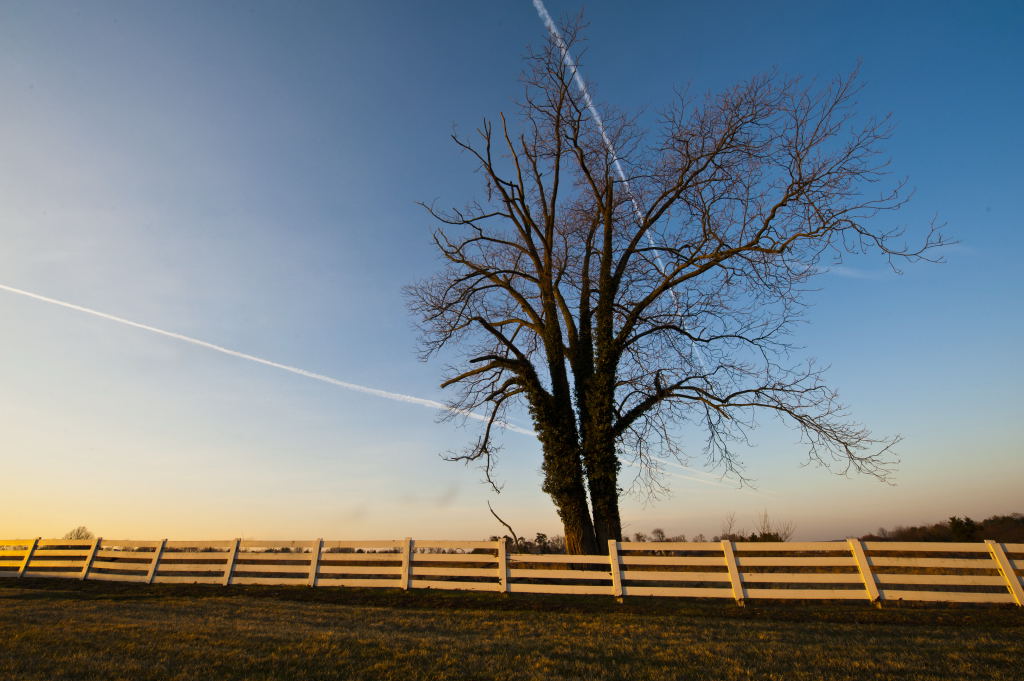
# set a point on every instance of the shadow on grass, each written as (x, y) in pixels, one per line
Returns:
(997, 616)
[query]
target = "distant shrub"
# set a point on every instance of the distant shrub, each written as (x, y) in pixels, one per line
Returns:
(657, 535)
(80, 532)
(766, 530)
(540, 544)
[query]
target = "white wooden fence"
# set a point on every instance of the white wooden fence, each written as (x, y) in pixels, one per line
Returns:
(985, 572)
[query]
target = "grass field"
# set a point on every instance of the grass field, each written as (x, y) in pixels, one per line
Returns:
(64, 629)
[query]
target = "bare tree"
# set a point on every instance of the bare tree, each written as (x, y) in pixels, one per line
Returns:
(621, 313)
(770, 531)
(80, 532)
(729, 525)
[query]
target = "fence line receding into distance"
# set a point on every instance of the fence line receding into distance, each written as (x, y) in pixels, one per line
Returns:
(981, 572)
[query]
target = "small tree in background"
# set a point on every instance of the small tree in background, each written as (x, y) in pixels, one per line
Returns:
(80, 532)
(963, 529)
(765, 530)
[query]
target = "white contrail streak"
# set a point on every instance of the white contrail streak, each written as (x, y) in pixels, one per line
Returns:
(713, 483)
(709, 478)
(716, 479)
(567, 58)
(397, 397)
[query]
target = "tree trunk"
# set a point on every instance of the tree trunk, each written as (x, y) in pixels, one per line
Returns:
(599, 457)
(563, 481)
(602, 480)
(563, 476)
(576, 523)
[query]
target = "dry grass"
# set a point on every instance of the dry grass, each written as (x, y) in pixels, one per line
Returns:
(60, 629)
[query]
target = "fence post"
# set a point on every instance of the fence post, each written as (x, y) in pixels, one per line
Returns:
(738, 590)
(503, 574)
(1006, 569)
(88, 559)
(229, 567)
(616, 566)
(28, 556)
(157, 555)
(314, 560)
(867, 575)
(407, 563)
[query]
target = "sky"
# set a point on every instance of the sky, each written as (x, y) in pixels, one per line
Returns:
(247, 174)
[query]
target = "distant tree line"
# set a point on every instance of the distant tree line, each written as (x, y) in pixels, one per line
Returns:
(765, 530)
(1004, 528)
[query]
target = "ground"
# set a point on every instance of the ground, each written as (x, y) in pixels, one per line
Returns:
(64, 629)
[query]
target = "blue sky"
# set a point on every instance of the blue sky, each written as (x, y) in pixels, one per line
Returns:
(247, 174)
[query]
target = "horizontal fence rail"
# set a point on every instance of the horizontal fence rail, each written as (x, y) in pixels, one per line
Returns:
(983, 572)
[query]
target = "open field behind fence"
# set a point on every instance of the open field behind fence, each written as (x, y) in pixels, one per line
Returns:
(982, 572)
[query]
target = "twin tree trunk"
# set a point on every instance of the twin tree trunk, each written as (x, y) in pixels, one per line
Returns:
(580, 461)
(564, 476)
(578, 436)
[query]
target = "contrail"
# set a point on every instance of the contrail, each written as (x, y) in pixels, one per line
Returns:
(397, 397)
(708, 478)
(556, 35)
(567, 58)
(713, 483)
(705, 481)
(715, 479)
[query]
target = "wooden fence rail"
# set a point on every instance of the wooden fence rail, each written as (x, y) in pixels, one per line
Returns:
(983, 572)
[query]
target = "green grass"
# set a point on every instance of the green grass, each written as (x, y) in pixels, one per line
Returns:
(62, 629)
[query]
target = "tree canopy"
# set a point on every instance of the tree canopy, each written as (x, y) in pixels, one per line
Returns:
(628, 285)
